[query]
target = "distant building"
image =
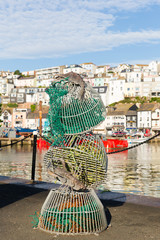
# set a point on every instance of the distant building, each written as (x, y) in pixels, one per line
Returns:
(121, 117)
(19, 117)
(115, 90)
(148, 114)
(74, 68)
(6, 118)
(91, 67)
(103, 93)
(32, 120)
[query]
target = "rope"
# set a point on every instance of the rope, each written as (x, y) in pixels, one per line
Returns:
(124, 149)
(136, 145)
(45, 138)
(16, 141)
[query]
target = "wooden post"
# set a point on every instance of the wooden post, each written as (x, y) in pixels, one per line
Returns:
(34, 155)
(40, 118)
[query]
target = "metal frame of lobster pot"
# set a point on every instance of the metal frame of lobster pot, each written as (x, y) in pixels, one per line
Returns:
(70, 212)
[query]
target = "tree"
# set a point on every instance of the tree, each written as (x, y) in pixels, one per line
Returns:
(17, 72)
(33, 108)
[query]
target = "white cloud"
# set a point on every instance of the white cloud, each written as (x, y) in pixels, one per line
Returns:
(44, 28)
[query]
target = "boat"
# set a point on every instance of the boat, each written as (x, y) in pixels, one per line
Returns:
(115, 144)
(137, 138)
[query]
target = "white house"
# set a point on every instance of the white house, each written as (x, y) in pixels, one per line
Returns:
(154, 67)
(144, 115)
(133, 76)
(32, 120)
(115, 91)
(102, 69)
(6, 117)
(48, 73)
(75, 68)
(102, 90)
(91, 67)
(5, 86)
(25, 81)
(156, 119)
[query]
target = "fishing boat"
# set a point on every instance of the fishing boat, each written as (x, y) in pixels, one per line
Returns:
(137, 138)
(115, 144)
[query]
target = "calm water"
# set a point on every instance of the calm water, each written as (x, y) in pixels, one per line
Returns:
(134, 171)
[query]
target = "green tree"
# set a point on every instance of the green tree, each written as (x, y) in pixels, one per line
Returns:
(17, 72)
(33, 108)
(12, 105)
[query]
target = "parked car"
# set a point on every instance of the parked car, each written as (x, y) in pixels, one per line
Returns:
(118, 134)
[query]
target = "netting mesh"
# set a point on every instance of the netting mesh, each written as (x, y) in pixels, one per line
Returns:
(85, 156)
(68, 114)
(72, 213)
(76, 158)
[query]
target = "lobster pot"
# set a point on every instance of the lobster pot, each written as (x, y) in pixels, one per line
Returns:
(70, 115)
(85, 155)
(70, 212)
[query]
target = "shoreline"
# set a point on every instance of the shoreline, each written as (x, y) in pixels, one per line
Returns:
(103, 195)
(21, 199)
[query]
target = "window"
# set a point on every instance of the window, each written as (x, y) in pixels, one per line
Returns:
(128, 89)
(19, 95)
(101, 90)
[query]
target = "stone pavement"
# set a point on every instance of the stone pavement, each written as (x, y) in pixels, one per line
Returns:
(131, 217)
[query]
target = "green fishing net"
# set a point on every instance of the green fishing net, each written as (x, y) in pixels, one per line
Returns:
(69, 115)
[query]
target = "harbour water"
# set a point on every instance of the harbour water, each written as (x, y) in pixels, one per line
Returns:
(134, 171)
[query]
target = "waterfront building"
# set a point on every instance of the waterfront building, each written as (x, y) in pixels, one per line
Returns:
(145, 114)
(32, 120)
(6, 118)
(19, 117)
(121, 117)
(156, 119)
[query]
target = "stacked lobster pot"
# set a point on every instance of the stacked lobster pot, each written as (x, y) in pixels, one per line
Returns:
(77, 158)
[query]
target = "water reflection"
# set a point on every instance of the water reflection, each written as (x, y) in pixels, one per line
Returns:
(138, 173)
(134, 171)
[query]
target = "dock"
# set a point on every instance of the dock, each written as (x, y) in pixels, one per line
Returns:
(8, 141)
(128, 216)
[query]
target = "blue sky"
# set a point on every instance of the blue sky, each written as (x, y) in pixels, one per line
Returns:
(45, 33)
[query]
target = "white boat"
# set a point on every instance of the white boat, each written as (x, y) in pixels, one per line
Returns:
(137, 138)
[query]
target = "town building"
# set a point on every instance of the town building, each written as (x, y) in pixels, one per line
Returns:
(6, 118)
(148, 115)
(91, 67)
(32, 120)
(75, 68)
(19, 117)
